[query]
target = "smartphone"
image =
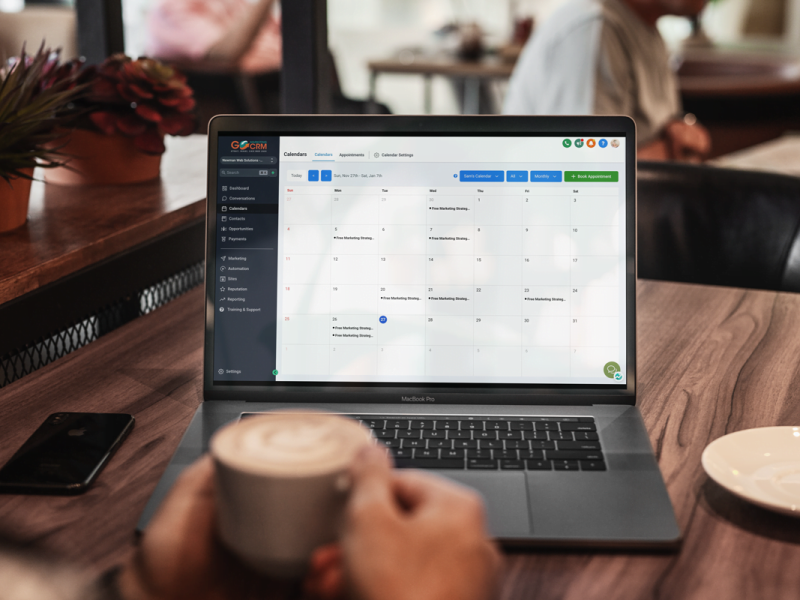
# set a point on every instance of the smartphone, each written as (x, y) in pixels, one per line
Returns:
(66, 454)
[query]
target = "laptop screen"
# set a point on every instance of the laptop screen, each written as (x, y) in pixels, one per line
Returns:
(428, 260)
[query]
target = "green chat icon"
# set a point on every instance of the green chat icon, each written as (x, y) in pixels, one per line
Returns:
(579, 143)
(610, 369)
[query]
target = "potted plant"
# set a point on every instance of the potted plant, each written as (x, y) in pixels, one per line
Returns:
(119, 127)
(36, 97)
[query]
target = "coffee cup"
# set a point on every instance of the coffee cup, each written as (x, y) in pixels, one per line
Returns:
(282, 482)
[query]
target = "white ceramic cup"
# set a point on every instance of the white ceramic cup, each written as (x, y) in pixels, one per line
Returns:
(281, 485)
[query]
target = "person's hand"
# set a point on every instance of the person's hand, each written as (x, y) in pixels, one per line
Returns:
(687, 142)
(407, 536)
(179, 556)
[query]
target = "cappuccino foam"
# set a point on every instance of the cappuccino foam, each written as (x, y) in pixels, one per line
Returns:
(290, 444)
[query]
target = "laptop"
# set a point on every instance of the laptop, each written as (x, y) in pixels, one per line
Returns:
(463, 286)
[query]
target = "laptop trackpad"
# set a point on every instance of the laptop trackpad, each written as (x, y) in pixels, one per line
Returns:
(506, 497)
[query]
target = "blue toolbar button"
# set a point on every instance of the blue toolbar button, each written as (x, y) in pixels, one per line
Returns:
(541, 176)
(313, 175)
(326, 176)
(521, 176)
(473, 176)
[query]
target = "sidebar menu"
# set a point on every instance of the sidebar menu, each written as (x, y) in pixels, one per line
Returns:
(246, 241)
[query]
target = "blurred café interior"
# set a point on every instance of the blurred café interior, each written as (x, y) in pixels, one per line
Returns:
(92, 254)
(737, 61)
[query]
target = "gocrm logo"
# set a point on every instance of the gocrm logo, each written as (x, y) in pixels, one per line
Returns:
(244, 145)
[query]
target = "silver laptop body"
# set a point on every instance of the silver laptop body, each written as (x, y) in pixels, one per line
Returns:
(429, 270)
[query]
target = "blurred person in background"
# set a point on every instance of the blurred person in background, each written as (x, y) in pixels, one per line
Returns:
(227, 31)
(606, 57)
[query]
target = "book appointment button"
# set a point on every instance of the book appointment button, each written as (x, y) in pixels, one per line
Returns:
(591, 176)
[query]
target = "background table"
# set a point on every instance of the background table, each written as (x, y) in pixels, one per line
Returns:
(73, 227)
(776, 156)
(472, 73)
(711, 361)
(91, 255)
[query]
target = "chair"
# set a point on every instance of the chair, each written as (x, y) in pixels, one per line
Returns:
(700, 224)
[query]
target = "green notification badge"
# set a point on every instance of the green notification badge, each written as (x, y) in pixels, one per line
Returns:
(610, 370)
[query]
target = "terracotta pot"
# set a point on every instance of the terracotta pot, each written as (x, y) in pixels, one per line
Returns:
(14, 197)
(103, 159)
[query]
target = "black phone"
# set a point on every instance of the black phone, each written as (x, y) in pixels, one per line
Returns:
(65, 454)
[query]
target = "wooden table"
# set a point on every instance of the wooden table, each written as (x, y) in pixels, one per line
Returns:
(776, 156)
(473, 73)
(85, 247)
(744, 94)
(723, 72)
(72, 227)
(712, 360)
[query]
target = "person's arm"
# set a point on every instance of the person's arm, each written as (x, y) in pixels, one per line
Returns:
(179, 556)
(408, 536)
(680, 140)
(233, 44)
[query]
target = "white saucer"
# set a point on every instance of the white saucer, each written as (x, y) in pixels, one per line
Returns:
(761, 466)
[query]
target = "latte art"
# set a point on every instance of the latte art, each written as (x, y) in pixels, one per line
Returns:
(290, 444)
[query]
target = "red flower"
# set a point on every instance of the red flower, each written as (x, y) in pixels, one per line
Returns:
(130, 124)
(148, 113)
(144, 99)
(104, 121)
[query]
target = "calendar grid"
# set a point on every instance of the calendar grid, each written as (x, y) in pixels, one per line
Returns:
(395, 249)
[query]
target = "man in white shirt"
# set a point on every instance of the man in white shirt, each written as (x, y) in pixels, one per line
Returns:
(606, 57)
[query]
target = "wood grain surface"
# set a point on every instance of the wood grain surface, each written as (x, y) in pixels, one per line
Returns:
(711, 361)
(71, 227)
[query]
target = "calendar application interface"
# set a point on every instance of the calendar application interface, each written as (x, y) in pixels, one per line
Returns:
(470, 260)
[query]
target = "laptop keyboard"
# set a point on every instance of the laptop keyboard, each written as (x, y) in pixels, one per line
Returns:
(488, 443)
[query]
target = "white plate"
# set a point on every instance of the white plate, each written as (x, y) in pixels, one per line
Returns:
(760, 465)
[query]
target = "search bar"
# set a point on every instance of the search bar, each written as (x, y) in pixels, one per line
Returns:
(271, 172)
